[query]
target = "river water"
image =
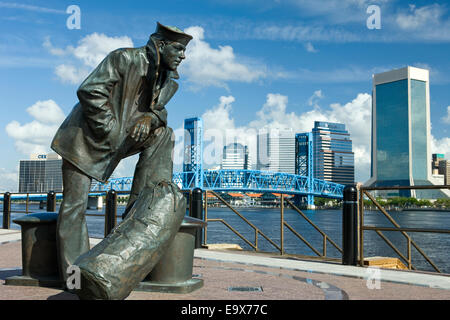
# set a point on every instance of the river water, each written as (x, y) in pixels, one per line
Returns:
(436, 246)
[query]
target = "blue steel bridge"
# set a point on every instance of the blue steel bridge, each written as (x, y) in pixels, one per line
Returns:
(242, 181)
(228, 180)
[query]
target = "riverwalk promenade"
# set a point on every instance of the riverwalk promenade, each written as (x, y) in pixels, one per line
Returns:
(242, 275)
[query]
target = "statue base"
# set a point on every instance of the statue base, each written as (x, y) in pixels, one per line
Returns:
(180, 287)
(48, 282)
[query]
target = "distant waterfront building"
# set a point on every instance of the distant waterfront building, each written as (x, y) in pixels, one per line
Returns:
(276, 150)
(41, 173)
(401, 132)
(236, 156)
(444, 169)
(334, 159)
(436, 157)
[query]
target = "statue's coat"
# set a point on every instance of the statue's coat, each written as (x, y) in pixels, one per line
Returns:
(120, 91)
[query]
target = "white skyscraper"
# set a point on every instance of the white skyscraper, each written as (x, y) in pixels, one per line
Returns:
(276, 150)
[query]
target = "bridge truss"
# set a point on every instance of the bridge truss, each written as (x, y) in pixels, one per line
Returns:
(244, 181)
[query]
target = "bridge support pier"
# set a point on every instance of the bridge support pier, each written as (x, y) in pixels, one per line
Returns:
(310, 202)
(95, 202)
(305, 202)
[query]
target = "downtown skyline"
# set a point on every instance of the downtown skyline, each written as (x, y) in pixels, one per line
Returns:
(252, 64)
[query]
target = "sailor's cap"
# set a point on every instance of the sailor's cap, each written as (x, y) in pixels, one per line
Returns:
(173, 34)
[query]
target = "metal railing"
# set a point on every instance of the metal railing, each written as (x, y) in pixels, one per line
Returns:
(110, 214)
(258, 231)
(326, 238)
(110, 211)
(8, 199)
(364, 191)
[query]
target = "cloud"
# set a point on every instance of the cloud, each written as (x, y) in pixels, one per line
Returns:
(423, 23)
(303, 32)
(36, 136)
(47, 44)
(71, 74)
(336, 21)
(441, 146)
(446, 119)
(46, 112)
(93, 48)
(83, 58)
(206, 66)
(9, 181)
(310, 48)
(419, 17)
(312, 101)
(336, 11)
(12, 5)
(350, 74)
(126, 167)
(220, 130)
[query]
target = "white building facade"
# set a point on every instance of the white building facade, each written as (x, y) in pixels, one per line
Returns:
(276, 150)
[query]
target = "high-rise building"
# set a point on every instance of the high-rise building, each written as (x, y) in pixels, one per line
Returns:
(436, 157)
(444, 169)
(41, 173)
(276, 150)
(401, 131)
(236, 156)
(334, 159)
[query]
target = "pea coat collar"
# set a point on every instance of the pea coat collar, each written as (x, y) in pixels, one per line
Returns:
(155, 62)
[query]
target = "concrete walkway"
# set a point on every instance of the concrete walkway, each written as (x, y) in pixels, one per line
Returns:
(397, 276)
(240, 275)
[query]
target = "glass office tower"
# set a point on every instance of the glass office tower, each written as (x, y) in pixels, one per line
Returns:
(401, 131)
(334, 159)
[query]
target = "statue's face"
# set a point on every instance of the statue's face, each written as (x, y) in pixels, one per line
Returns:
(172, 54)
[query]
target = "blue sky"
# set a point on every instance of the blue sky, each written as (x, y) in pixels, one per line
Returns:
(251, 64)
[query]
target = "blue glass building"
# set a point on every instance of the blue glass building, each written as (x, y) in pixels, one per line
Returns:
(401, 154)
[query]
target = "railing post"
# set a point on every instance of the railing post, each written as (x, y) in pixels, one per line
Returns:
(6, 210)
(110, 211)
(282, 224)
(197, 212)
(206, 219)
(51, 201)
(350, 226)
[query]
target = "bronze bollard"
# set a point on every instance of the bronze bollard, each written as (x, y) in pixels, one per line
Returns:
(173, 273)
(39, 260)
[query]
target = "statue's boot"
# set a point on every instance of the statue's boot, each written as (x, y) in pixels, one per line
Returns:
(116, 265)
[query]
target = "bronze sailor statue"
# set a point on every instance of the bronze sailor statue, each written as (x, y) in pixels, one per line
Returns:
(121, 112)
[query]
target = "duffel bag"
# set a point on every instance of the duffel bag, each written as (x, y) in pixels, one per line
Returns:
(116, 265)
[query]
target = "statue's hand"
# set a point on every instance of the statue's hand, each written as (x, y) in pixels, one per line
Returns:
(142, 129)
